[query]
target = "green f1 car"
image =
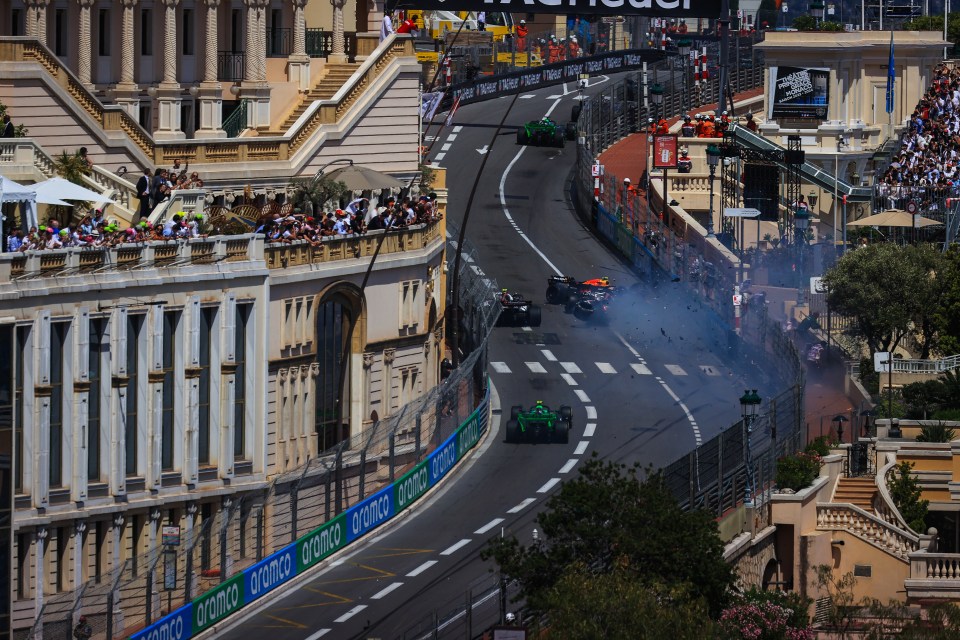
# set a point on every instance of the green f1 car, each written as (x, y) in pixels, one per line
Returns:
(539, 424)
(546, 133)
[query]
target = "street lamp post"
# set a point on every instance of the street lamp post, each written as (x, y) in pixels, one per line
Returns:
(749, 405)
(816, 10)
(656, 97)
(683, 48)
(713, 158)
(801, 221)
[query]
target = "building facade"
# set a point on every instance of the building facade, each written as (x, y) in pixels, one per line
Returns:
(168, 383)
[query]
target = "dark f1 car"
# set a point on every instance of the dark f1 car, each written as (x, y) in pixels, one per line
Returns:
(568, 291)
(517, 311)
(545, 133)
(593, 307)
(539, 424)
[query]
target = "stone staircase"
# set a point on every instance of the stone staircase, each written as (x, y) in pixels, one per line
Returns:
(859, 492)
(334, 77)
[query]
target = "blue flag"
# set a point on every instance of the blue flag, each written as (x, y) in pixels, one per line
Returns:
(891, 77)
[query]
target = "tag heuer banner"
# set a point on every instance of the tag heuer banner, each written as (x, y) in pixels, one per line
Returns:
(655, 8)
(799, 92)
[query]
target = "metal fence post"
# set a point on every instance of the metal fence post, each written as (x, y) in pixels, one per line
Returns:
(260, 540)
(393, 462)
(363, 471)
(149, 596)
(293, 512)
(338, 480)
(188, 575)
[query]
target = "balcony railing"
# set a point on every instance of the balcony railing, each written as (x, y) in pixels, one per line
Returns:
(279, 42)
(230, 66)
(320, 43)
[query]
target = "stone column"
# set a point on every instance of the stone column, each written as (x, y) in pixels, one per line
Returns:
(36, 26)
(40, 540)
(168, 93)
(85, 50)
(298, 64)
(210, 97)
(128, 93)
(339, 53)
(254, 87)
(79, 557)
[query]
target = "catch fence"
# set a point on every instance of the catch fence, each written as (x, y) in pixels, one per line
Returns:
(714, 475)
(251, 526)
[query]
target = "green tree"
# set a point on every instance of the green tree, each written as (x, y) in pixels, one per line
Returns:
(319, 192)
(619, 605)
(72, 167)
(906, 494)
(877, 287)
(935, 23)
(946, 312)
(608, 517)
(922, 398)
(932, 284)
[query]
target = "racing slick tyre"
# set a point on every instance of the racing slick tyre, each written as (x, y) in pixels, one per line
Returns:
(561, 433)
(515, 411)
(558, 138)
(566, 413)
(575, 112)
(571, 131)
(512, 432)
(522, 137)
(533, 316)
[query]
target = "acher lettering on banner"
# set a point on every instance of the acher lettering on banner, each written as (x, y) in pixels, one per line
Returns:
(657, 8)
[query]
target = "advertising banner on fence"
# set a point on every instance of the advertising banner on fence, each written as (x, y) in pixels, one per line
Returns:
(269, 573)
(665, 151)
(656, 8)
(370, 513)
(175, 626)
(411, 486)
(321, 542)
(799, 92)
(217, 604)
(569, 71)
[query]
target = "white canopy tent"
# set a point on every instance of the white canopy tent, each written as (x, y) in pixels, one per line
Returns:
(28, 199)
(58, 188)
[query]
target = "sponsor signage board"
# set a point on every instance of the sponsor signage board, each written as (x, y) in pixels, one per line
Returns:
(411, 486)
(657, 8)
(799, 92)
(321, 542)
(442, 459)
(468, 435)
(173, 626)
(218, 603)
(370, 513)
(269, 573)
(665, 151)
(568, 71)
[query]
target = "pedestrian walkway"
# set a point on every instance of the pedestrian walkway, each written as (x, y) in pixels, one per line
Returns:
(621, 159)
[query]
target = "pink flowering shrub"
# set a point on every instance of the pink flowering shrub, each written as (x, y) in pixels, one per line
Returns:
(762, 621)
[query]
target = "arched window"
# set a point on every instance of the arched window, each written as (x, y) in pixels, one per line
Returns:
(334, 319)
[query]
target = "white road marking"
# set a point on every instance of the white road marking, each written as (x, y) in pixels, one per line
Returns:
(675, 369)
(349, 614)
(386, 591)
(589, 430)
(569, 378)
(337, 563)
(458, 128)
(571, 463)
(490, 525)
(500, 367)
(451, 137)
(527, 96)
(641, 369)
(581, 447)
(535, 367)
(523, 505)
(318, 634)
(591, 413)
(582, 395)
(548, 355)
(426, 565)
(709, 370)
(455, 547)
(503, 199)
(554, 97)
(527, 329)
(439, 157)
(446, 147)
(549, 484)
(605, 367)
(570, 367)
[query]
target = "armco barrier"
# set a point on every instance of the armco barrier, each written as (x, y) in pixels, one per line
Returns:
(282, 566)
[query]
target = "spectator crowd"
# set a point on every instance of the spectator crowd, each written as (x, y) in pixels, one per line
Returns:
(925, 168)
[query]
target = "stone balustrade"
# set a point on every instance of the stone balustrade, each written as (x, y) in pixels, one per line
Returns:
(215, 249)
(690, 182)
(124, 192)
(867, 527)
